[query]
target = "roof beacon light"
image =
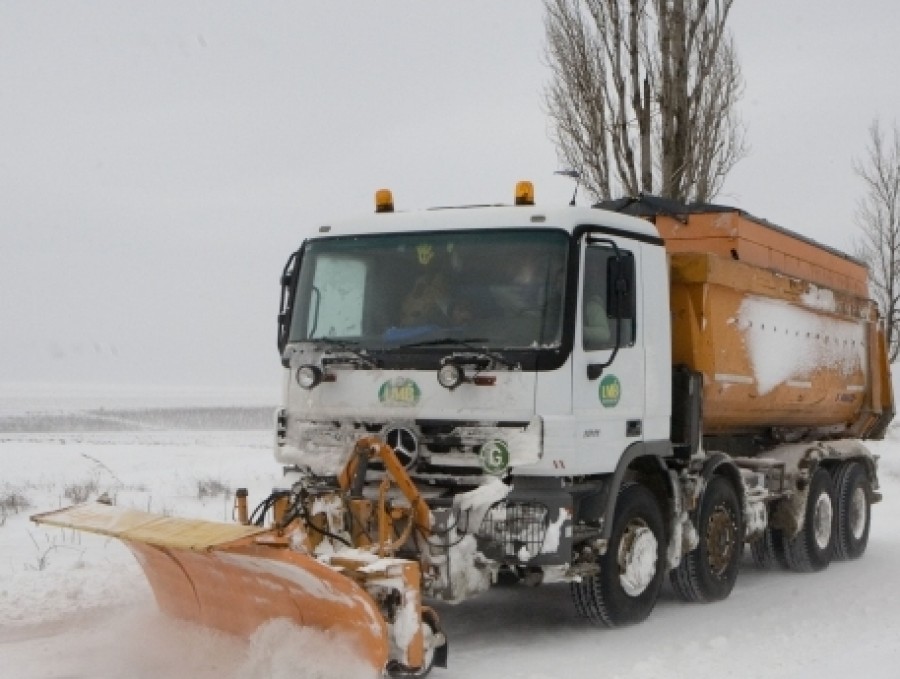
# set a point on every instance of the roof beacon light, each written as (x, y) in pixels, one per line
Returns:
(384, 200)
(524, 193)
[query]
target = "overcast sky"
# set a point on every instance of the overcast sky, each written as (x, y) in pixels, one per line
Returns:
(159, 160)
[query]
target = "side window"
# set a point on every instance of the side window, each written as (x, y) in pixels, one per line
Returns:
(599, 317)
(338, 290)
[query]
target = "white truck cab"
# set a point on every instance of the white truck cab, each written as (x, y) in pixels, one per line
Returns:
(481, 341)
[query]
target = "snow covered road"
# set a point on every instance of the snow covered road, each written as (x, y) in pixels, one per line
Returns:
(77, 606)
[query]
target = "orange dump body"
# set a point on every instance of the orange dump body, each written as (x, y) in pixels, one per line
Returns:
(780, 327)
(732, 234)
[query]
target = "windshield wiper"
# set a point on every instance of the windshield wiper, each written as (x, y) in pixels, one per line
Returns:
(467, 343)
(361, 357)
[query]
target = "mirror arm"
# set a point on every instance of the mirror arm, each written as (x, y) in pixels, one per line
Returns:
(595, 370)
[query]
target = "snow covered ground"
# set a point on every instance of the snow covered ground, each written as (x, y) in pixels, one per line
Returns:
(74, 605)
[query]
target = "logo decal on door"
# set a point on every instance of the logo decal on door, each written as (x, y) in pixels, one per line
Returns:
(610, 391)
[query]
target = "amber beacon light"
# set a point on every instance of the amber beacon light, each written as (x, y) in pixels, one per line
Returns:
(384, 200)
(524, 193)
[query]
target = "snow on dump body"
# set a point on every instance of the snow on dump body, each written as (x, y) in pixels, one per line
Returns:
(789, 356)
(776, 351)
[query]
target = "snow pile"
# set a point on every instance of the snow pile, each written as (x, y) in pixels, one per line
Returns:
(469, 574)
(785, 342)
(47, 573)
(551, 539)
(475, 504)
(281, 650)
(58, 576)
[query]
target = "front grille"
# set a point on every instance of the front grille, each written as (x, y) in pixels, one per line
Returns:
(440, 451)
(519, 527)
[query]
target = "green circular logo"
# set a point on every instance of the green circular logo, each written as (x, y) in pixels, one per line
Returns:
(494, 456)
(399, 391)
(610, 391)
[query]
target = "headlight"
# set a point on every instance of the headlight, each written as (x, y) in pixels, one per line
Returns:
(450, 376)
(308, 376)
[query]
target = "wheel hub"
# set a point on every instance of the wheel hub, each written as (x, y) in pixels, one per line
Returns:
(858, 513)
(721, 540)
(822, 520)
(637, 558)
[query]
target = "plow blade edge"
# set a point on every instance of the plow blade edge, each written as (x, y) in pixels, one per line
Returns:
(226, 577)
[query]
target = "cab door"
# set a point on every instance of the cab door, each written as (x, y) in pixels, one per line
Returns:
(608, 380)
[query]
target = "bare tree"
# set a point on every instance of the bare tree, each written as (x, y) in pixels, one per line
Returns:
(878, 218)
(642, 94)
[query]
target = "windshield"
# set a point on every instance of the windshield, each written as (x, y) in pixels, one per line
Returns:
(500, 289)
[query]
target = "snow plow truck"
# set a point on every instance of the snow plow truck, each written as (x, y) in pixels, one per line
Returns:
(602, 396)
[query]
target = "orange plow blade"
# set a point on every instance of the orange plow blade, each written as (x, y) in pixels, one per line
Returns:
(230, 577)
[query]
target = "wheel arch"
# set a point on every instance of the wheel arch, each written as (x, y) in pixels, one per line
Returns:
(802, 461)
(644, 462)
(866, 461)
(838, 453)
(720, 464)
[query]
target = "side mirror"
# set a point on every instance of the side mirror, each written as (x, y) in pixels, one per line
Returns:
(282, 331)
(620, 289)
(285, 304)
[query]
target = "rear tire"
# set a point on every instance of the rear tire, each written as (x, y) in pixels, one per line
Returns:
(813, 547)
(625, 590)
(767, 551)
(709, 571)
(852, 491)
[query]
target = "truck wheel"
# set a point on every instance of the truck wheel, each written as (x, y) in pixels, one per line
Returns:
(631, 572)
(813, 547)
(708, 572)
(767, 550)
(851, 489)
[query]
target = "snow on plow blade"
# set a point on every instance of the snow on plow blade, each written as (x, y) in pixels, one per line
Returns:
(233, 578)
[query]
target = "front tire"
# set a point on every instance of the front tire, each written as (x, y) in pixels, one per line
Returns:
(625, 590)
(813, 547)
(708, 572)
